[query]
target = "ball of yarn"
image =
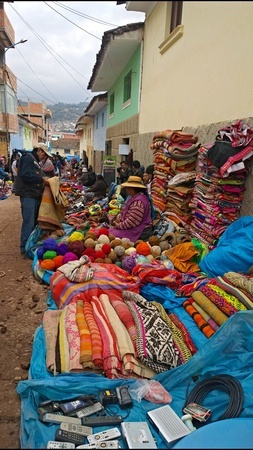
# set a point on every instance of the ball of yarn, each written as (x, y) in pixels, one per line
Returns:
(40, 252)
(58, 261)
(112, 255)
(106, 248)
(131, 251)
(103, 230)
(154, 240)
(98, 247)
(103, 239)
(76, 247)
(91, 234)
(150, 258)
(99, 260)
(47, 264)
(141, 259)
(118, 263)
(69, 256)
(164, 245)
(156, 251)
(125, 244)
(143, 249)
(119, 250)
(49, 244)
(49, 254)
(111, 237)
(99, 254)
(128, 263)
(115, 242)
(89, 252)
(89, 243)
(62, 249)
(108, 261)
(76, 236)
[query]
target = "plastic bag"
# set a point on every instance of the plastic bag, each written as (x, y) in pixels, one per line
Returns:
(150, 390)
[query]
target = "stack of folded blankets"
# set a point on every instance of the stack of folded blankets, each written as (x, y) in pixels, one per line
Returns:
(220, 183)
(174, 153)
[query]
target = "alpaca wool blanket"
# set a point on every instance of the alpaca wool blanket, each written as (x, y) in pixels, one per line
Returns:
(53, 206)
(73, 338)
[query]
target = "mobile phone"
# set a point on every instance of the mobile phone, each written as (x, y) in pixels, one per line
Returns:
(75, 404)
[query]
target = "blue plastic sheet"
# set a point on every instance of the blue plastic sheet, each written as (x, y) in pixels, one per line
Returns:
(229, 351)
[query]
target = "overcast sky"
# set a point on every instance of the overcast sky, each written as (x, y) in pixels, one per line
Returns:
(63, 39)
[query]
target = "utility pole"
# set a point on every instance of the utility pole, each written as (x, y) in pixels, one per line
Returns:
(22, 41)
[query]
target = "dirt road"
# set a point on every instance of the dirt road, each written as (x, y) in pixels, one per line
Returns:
(22, 304)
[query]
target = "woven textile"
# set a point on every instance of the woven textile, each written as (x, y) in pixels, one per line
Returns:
(179, 343)
(218, 300)
(206, 316)
(73, 338)
(155, 344)
(126, 348)
(241, 281)
(245, 298)
(185, 333)
(85, 339)
(96, 341)
(127, 319)
(217, 315)
(198, 319)
(111, 355)
(231, 299)
(50, 323)
(63, 343)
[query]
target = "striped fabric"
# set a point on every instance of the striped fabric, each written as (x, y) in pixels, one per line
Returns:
(85, 338)
(198, 319)
(96, 341)
(63, 343)
(215, 313)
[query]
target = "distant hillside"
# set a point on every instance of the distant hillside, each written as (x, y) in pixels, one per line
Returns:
(65, 115)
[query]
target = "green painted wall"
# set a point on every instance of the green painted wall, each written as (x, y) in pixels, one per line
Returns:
(120, 114)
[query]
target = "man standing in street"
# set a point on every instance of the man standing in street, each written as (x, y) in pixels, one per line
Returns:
(29, 187)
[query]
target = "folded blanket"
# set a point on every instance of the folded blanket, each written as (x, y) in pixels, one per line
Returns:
(50, 323)
(73, 338)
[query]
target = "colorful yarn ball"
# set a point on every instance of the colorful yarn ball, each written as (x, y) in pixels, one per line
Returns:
(58, 261)
(119, 250)
(69, 256)
(112, 255)
(103, 231)
(103, 239)
(142, 259)
(89, 252)
(99, 254)
(115, 242)
(118, 263)
(131, 251)
(49, 244)
(156, 251)
(40, 252)
(76, 247)
(50, 254)
(91, 234)
(143, 249)
(62, 249)
(106, 248)
(89, 243)
(47, 264)
(154, 240)
(128, 263)
(76, 236)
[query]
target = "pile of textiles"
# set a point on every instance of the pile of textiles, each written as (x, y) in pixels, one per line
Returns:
(216, 300)
(107, 326)
(174, 152)
(220, 183)
(179, 194)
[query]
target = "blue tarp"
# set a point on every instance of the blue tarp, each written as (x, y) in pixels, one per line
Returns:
(229, 351)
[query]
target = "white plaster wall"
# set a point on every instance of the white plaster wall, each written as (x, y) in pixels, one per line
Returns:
(207, 75)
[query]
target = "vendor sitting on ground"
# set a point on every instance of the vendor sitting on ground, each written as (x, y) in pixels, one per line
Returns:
(98, 189)
(134, 222)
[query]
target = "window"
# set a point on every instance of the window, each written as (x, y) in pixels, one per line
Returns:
(112, 103)
(176, 15)
(127, 86)
(173, 28)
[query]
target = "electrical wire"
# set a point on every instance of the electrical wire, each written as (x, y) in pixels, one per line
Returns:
(226, 383)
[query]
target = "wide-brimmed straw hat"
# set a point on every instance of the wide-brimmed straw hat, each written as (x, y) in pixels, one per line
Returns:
(43, 147)
(135, 182)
